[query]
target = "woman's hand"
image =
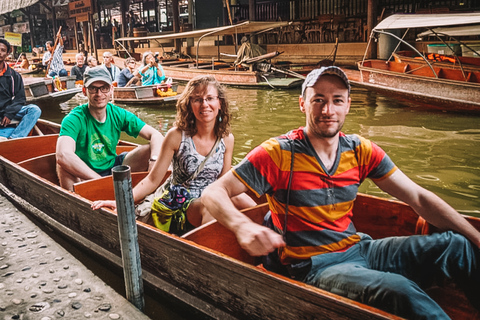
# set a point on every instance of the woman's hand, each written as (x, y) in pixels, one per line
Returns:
(104, 204)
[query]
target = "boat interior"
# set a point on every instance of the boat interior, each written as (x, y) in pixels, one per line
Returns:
(377, 218)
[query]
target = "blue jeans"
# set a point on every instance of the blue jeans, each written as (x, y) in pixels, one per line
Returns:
(61, 73)
(389, 273)
(28, 116)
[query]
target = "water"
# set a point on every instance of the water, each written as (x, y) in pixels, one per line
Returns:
(437, 150)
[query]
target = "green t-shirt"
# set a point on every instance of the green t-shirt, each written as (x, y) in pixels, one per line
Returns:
(96, 142)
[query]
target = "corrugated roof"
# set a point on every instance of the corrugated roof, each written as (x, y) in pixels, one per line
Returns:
(10, 5)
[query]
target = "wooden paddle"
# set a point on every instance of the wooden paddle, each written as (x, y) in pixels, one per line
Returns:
(54, 47)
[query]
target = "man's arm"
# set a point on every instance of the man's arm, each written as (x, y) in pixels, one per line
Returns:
(428, 205)
(70, 162)
(257, 240)
(155, 138)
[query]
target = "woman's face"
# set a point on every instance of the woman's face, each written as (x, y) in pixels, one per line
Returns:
(92, 63)
(205, 105)
(150, 59)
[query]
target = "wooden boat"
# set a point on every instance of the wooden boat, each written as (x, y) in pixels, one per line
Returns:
(438, 86)
(42, 91)
(157, 95)
(225, 73)
(206, 268)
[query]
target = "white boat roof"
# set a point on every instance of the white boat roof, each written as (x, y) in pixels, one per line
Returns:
(405, 21)
(243, 27)
(471, 30)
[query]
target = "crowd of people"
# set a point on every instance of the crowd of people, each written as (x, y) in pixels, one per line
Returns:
(308, 234)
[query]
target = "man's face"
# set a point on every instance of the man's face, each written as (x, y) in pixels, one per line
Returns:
(99, 93)
(325, 105)
(107, 59)
(3, 52)
(49, 47)
(80, 60)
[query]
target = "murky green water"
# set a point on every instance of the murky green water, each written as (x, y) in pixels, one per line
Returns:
(437, 150)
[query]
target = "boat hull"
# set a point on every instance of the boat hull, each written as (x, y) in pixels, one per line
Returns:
(438, 93)
(42, 91)
(145, 95)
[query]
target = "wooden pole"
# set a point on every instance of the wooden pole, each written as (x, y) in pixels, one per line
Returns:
(54, 47)
(127, 228)
(371, 23)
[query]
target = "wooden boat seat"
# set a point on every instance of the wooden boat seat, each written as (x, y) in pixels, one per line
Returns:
(43, 166)
(17, 150)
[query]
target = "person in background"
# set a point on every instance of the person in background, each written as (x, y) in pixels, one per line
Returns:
(315, 171)
(151, 71)
(91, 62)
(108, 65)
(89, 134)
(24, 64)
(127, 76)
(54, 58)
(202, 117)
(79, 68)
(16, 118)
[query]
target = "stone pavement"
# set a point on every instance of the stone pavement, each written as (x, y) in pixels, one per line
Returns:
(39, 279)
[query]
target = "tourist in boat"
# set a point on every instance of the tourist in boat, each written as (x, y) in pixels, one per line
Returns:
(311, 177)
(54, 58)
(79, 68)
(90, 133)
(24, 63)
(91, 62)
(151, 70)
(203, 118)
(127, 77)
(108, 65)
(16, 118)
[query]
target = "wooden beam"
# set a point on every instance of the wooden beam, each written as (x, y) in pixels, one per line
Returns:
(45, 5)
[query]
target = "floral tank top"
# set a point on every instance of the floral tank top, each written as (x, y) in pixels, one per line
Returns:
(186, 161)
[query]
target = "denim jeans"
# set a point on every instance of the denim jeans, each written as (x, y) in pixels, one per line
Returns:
(389, 273)
(28, 116)
(61, 73)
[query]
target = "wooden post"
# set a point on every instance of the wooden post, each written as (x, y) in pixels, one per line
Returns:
(127, 228)
(92, 36)
(251, 10)
(176, 26)
(371, 23)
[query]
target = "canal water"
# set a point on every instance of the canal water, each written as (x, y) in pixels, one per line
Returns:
(437, 150)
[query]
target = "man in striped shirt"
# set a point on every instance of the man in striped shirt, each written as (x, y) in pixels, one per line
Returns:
(53, 57)
(315, 172)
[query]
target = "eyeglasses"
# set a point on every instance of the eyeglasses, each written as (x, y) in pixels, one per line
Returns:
(103, 89)
(208, 100)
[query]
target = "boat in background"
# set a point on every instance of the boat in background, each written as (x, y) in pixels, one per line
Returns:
(206, 269)
(50, 91)
(155, 95)
(257, 75)
(439, 86)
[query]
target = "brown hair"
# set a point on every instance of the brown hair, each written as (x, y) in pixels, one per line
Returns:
(128, 60)
(185, 119)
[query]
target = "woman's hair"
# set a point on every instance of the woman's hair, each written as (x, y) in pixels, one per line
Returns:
(145, 54)
(185, 119)
(24, 55)
(128, 60)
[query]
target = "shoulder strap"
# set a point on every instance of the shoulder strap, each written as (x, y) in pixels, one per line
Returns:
(202, 164)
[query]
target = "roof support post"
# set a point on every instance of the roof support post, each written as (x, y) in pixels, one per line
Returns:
(371, 23)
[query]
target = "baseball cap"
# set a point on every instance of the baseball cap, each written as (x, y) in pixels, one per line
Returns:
(315, 74)
(96, 74)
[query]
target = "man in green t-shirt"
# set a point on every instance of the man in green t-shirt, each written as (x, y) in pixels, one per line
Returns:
(86, 147)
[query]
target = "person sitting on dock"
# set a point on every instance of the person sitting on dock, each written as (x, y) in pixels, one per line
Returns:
(127, 77)
(108, 65)
(200, 133)
(311, 177)
(151, 70)
(79, 68)
(16, 118)
(89, 134)
(54, 58)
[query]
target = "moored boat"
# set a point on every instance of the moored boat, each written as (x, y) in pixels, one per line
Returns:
(46, 91)
(155, 95)
(439, 86)
(205, 268)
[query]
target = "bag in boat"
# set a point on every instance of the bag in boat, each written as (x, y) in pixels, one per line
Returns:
(170, 208)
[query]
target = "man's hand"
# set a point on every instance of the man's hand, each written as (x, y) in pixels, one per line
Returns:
(5, 122)
(258, 240)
